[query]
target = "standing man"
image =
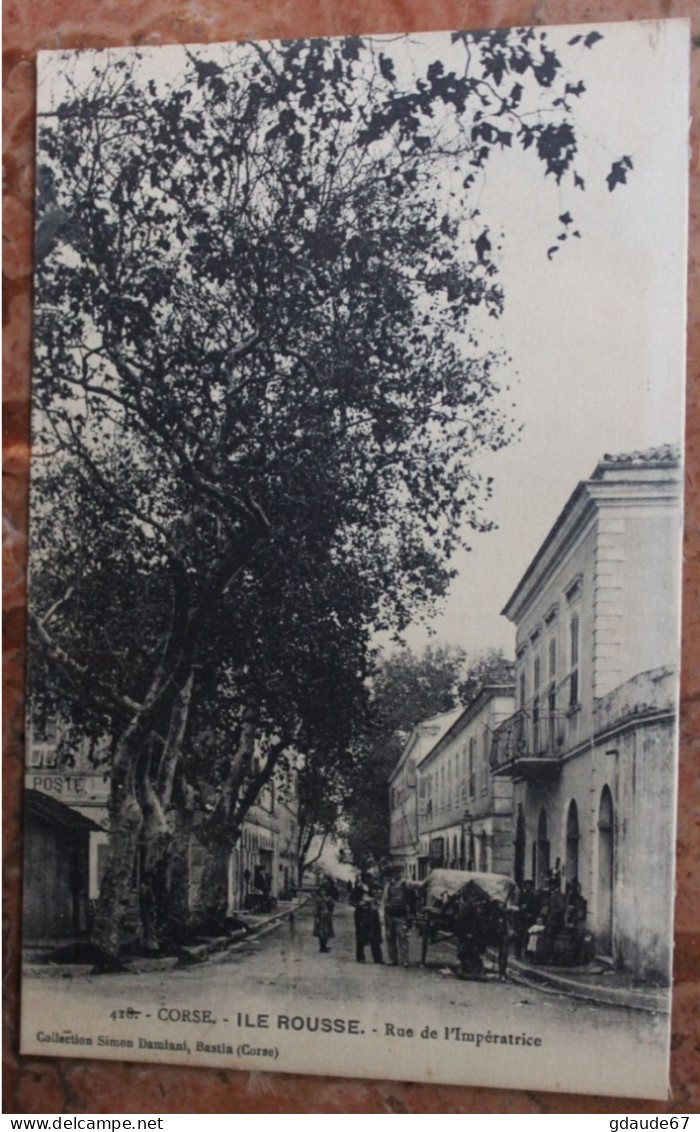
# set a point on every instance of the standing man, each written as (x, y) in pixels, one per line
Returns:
(323, 914)
(398, 902)
(368, 929)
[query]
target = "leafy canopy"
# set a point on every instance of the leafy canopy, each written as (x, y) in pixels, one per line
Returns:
(258, 358)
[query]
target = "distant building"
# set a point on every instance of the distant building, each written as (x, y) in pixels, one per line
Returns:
(265, 859)
(464, 812)
(80, 784)
(404, 838)
(57, 864)
(591, 747)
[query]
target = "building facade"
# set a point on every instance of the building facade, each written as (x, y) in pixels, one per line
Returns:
(591, 746)
(63, 794)
(404, 833)
(57, 868)
(265, 859)
(464, 813)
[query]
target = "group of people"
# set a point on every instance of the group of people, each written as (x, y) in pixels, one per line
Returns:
(550, 924)
(384, 908)
(547, 926)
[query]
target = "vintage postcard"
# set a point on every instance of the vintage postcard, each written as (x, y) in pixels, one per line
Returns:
(356, 519)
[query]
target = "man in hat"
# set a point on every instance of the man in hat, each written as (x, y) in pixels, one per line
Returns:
(368, 929)
(398, 902)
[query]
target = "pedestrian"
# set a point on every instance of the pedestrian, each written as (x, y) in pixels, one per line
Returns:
(503, 932)
(323, 914)
(398, 902)
(357, 891)
(576, 907)
(526, 915)
(553, 916)
(368, 928)
(471, 915)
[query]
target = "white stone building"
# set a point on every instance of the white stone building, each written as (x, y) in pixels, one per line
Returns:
(591, 747)
(404, 835)
(464, 812)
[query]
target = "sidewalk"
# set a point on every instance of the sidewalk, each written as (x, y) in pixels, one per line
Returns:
(594, 983)
(212, 948)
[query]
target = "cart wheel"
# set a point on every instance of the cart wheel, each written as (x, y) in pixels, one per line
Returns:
(426, 937)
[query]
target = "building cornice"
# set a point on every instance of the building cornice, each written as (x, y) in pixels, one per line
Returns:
(421, 730)
(471, 711)
(638, 487)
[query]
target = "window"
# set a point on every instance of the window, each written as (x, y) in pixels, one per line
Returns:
(536, 683)
(46, 732)
(42, 756)
(42, 750)
(573, 656)
(472, 776)
(552, 712)
(552, 694)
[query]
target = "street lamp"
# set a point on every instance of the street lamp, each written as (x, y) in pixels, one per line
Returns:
(467, 840)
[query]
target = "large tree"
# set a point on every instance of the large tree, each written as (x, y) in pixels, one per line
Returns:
(258, 373)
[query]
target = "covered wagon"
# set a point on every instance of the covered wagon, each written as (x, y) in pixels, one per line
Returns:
(473, 909)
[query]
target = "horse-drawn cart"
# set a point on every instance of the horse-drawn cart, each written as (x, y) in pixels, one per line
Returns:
(473, 909)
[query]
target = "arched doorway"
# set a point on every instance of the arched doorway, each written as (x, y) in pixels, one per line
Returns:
(606, 871)
(519, 843)
(542, 852)
(572, 840)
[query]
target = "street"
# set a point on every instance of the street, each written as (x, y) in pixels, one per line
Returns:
(275, 999)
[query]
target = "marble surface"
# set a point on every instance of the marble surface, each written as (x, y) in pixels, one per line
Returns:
(70, 1086)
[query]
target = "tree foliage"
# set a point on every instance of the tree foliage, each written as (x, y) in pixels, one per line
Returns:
(259, 392)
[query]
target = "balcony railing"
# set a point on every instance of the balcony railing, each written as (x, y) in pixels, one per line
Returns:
(528, 734)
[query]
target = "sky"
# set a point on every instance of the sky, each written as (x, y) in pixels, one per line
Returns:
(597, 333)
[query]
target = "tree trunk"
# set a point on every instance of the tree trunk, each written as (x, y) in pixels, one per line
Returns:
(160, 909)
(118, 896)
(176, 914)
(156, 840)
(212, 900)
(221, 830)
(306, 862)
